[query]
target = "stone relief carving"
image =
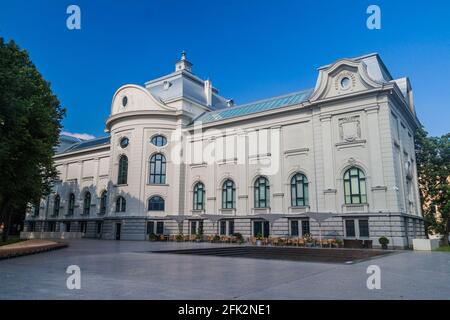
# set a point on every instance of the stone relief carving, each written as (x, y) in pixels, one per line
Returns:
(350, 129)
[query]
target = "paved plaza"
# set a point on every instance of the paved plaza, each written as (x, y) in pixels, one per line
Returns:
(129, 270)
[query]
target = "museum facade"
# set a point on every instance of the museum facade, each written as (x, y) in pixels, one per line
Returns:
(337, 159)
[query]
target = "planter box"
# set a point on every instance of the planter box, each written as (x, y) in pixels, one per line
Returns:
(425, 244)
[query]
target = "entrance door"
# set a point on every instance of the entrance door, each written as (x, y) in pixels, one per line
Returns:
(118, 230)
(261, 228)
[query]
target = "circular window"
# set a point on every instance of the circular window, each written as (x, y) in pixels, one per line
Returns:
(345, 83)
(124, 101)
(159, 141)
(124, 142)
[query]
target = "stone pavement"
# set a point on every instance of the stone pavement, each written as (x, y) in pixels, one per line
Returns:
(128, 270)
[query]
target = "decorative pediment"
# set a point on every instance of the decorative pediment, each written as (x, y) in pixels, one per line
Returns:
(135, 98)
(342, 78)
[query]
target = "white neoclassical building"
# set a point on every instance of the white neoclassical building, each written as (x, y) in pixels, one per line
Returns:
(180, 158)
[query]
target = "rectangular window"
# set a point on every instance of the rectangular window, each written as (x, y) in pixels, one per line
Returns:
(305, 227)
(150, 227)
(350, 228)
(193, 227)
(223, 228)
(99, 227)
(230, 227)
(294, 228)
(363, 228)
(160, 227)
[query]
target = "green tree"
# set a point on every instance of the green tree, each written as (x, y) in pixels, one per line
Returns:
(433, 165)
(30, 122)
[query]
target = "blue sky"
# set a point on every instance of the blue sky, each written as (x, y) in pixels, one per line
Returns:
(249, 49)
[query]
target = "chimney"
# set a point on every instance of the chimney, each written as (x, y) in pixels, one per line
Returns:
(208, 92)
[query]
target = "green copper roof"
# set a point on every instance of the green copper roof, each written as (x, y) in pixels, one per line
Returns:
(255, 107)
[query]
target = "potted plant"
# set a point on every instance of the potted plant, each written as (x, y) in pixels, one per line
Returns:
(239, 238)
(152, 237)
(384, 242)
(308, 239)
(179, 237)
(339, 243)
(198, 237)
(216, 238)
(259, 238)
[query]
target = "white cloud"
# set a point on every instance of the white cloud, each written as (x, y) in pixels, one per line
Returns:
(82, 136)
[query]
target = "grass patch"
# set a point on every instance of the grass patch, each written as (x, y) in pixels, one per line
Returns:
(444, 248)
(11, 240)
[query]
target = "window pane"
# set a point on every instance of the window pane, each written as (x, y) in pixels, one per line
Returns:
(257, 228)
(294, 228)
(350, 228)
(223, 228)
(364, 228)
(160, 227)
(355, 185)
(150, 227)
(305, 227)
(230, 227)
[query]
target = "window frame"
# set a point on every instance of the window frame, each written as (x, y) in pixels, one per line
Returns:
(350, 196)
(155, 140)
(121, 204)
(122, 174)
(299, 180)
(56, 205)
(161, 203)
(199, 192)
(157, 176)
(87, 200)
(71, 204)
(103, 202)
(228, 203)
(261, 182)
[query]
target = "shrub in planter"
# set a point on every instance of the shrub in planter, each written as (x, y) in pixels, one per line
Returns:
(339, 243)
(239, 237)
(384, 242)
(198, 237)
(216, 238)
(152, 237)
(179, 237)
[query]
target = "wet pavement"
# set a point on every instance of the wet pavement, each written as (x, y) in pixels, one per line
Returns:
(129, 270)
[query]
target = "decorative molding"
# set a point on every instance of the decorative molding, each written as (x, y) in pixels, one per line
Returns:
(294, 152)
(355, 143)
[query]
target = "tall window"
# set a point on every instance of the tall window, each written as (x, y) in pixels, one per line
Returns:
(121, 204)
(299, 190)
(199, 196)
(355, 186)
(87, 203)
(262, 189)
(123, 170)
(156, 203)
(37, 207)
(159, 141)
(228, 195)
(71, 207)
(103, 201)
(158, 169)
(56, 205)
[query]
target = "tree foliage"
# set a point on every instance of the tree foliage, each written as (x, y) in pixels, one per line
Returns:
(433, 165)
(30, 122)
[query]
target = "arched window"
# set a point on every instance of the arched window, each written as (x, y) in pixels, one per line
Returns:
(156, 203)
(103, 201)
(123, 170)
(56, 205)
(159, 141)
(355, 186)
(87, 203)
(199, 196)
(121, 204)
(228, 195)
(299, 190)
(262, 189)
(158, 169)
(71, 207)
(37, 207)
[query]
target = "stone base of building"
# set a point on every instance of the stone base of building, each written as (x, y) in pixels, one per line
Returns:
(400, 229)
